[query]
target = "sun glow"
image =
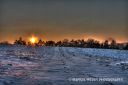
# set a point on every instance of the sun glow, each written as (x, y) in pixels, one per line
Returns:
(33, 39)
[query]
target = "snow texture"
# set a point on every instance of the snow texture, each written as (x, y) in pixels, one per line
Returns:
(22, 65)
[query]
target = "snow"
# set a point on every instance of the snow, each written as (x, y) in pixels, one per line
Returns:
(22, 65)
(102, 52)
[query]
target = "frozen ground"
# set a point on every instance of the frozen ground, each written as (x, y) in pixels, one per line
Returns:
(57, 65)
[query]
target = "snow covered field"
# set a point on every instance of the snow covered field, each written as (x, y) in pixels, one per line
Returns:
(59, 65)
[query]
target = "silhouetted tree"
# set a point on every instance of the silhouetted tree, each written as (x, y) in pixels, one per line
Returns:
(5, 43)
(91, 43)
(126, 46)
(96, 44)
(20, 41)
(65, 42)
(105, 44)
(82, 43)
(113, 44)
(59, 43)
(49, 43)
(40, 43)
(71, 43)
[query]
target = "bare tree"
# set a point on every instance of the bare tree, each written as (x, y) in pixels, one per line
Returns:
(106, 44)
(40, 43)
(5, 43)
(50, 43)
(20, 41)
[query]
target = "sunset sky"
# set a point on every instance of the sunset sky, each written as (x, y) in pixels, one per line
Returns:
(60, 19)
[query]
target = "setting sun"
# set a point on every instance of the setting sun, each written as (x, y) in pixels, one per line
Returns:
(33, 39)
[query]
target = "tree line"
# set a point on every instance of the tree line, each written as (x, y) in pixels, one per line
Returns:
(90, 43)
